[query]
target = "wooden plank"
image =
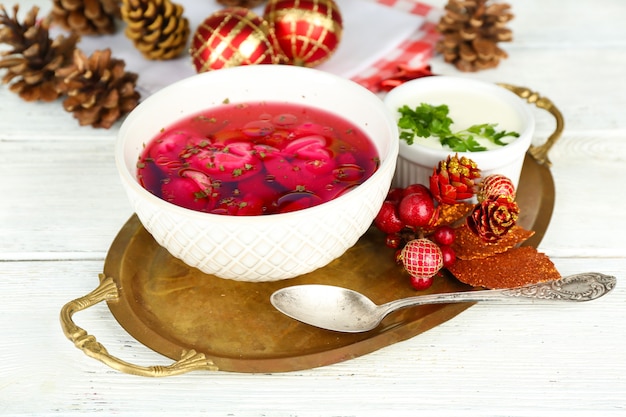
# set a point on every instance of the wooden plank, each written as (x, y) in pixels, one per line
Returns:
(499, 360)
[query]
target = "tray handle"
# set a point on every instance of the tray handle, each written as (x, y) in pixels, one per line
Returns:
(107, 291)
(540, 153)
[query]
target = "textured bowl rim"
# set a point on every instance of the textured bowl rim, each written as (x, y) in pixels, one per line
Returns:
(130, 180)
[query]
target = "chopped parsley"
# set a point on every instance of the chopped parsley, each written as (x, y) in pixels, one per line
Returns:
(427, 120)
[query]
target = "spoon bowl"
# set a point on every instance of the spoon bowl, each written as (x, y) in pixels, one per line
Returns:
(344, 310)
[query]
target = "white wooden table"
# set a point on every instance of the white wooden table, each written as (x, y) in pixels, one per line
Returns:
(61, 205)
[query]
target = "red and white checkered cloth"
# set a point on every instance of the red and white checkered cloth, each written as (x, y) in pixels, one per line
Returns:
(414, 52)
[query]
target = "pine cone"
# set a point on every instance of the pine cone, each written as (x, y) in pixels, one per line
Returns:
(86, 17)
(493, 218)
(157, 28)
(34, 57)
(241, 3)
(99, 90)
(453, 180)
(471, 31)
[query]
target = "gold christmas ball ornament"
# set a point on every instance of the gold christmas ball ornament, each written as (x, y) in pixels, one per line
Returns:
(232, 37)
(307, 32)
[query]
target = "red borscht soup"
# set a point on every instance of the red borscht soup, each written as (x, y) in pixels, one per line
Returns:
(256, 158)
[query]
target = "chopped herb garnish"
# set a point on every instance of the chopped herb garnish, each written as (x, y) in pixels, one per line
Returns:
(200, 194)
(427, 120)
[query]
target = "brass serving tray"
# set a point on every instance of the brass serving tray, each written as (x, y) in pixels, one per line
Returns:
(205, 322)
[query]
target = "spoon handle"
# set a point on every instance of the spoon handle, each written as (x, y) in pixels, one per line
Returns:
(580, 287)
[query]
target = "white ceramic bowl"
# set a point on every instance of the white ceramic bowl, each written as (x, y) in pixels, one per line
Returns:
(470, 102)
(259, 248)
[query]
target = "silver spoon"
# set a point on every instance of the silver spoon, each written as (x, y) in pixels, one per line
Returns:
(344, 310)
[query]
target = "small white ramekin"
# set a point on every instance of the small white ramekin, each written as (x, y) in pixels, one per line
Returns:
(416, 162)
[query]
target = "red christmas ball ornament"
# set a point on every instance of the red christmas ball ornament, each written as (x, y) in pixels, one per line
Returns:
(307, 32)
(231, 37)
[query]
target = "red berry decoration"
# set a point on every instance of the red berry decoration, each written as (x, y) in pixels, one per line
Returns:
(495, 185)
(417, 210)
(393, 241)
(387, 219)
(231, 37)
(449, 256)
(306, 31)
(422, 258)
(416, 189)
(421, 284)
(395, 195)
(443, 235)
